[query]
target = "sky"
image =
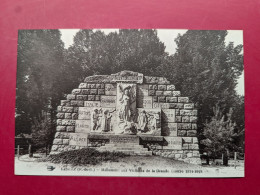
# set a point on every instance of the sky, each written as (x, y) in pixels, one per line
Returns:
(167, 36)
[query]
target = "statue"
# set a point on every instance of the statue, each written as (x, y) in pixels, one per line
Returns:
(126, 109)
(153, 122)
(142, 121)
(148, 121)
(102, 120)
(106, 124)
(95, 119)
(127, 99)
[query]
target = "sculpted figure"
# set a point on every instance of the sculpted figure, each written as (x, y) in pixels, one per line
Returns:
(95, 117)
(106, 124)
(142, 121)
(152, 123)
(126, 100)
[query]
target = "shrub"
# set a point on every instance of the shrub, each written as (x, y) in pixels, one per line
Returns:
(219, 134)
(43, 130)
(85, 156)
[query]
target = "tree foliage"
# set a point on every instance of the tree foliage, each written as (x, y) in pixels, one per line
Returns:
(206, 70)
(96, 53)
(43, 131)
(220, 134)
(40, 75)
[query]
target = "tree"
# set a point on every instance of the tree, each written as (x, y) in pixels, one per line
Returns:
(239, 117)
(206, 70)
(96, 53)
(43, 131)
(219, 134)
(39, 76)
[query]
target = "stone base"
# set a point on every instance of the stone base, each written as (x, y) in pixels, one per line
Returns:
(181, 155)
(179, 148)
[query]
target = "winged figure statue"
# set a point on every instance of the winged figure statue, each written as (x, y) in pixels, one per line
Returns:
(127, 99)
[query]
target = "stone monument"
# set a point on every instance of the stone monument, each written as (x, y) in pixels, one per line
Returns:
(131, 113)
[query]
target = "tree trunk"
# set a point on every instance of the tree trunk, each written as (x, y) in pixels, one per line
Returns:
(46, 150)
(30, 151)
(207, 160)
(18, 151)
(235, 156)
(225, 158)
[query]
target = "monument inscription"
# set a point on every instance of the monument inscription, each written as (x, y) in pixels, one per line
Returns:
(108, 101)
(124, 139)
(127, 77)
(92, 104)
(145, 102)
(84, 113)
(82, 126)
(78, 139)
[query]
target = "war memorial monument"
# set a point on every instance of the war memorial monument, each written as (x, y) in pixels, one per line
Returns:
(131, 113)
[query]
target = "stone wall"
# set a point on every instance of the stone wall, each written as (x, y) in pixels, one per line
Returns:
(177, 124)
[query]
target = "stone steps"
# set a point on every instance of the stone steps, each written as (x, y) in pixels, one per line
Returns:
(147, 153)
(123, 149)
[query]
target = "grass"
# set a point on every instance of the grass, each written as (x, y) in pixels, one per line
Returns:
(85, 156)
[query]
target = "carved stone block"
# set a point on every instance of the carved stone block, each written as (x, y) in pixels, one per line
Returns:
(110, 89)
(168, 115)
(82, 126)
(108, 101)
(169, 129)
(84, 113)
(183, 99)
(173, 143)
(78, 139)
(92, 104)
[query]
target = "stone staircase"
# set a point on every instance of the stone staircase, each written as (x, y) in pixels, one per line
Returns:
(127, 148)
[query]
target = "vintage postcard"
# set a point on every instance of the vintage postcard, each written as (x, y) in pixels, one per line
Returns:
(130, 102)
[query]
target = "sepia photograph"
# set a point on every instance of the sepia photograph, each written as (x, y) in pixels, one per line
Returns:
(130, 103)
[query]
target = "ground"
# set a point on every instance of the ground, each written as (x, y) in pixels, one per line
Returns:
(128, 166)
